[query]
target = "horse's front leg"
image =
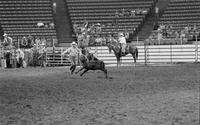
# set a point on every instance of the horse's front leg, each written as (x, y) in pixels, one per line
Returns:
(105, 72)
(134, 57)
(118, 62)
(84, 72)
(79, 70)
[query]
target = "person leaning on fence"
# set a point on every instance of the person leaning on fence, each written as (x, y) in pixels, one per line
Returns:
(41, 57)
(35, 55)
(20, 58)
(73, 52)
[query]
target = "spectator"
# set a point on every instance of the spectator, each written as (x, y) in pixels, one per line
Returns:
(37, 42)
(116, 14)
(30, 41)
(7, 41)
(24, 42)
(40, 24)
(52, 25)
(132, 13)
(46, 25)
(43, 42)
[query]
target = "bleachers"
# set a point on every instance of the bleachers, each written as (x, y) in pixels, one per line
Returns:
(103, 11)
(20, 17)
(181, 13)
(183, 18)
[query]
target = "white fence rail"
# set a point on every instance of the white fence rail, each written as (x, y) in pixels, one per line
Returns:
(155, 54)
(147, 55)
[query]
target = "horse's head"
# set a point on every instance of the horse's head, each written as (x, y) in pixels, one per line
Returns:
(114, 46)
(83, 59)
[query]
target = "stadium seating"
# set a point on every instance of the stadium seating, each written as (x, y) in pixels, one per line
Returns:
(103, 11)
(183, 18)
(20, 17)
(182, 13)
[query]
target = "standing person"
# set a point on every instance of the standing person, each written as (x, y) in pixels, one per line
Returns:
(42, 52)
(35, 55)
(37, 42)
(30, 41)
(73, 52)
(20, 58)
(122, 41)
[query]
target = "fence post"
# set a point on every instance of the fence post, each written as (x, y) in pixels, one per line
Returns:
(61, 51)
(53, 52)
(196, 49)
(171, 53)
(46, 56)
(145, 53)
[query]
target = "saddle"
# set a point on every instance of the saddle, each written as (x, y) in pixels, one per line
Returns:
(126, 50)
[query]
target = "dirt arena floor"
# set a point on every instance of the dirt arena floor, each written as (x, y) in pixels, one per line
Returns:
(153, 95)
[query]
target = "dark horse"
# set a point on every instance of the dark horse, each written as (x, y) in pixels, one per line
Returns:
(130, 48)
(90, 63)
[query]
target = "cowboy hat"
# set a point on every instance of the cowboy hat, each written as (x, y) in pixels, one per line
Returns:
(121, 34)
(73, 43)
(5, 34)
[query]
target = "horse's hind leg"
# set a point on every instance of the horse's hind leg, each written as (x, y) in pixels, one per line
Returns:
(84, 72)
(79, 70)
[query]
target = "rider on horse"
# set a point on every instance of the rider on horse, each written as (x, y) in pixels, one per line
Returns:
(122, 41)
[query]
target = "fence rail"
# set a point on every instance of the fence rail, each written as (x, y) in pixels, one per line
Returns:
(148, 54)
(156, 54)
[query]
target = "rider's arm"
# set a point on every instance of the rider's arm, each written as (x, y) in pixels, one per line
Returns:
(66, 51)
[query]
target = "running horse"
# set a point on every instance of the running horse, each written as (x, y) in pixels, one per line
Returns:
(130, 49)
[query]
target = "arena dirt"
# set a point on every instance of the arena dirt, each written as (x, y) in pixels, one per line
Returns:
(131, 96)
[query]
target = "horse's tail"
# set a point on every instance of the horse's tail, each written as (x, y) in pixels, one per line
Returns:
(136, 52)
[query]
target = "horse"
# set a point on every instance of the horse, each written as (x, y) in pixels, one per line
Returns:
(130, 49)
(91, 64)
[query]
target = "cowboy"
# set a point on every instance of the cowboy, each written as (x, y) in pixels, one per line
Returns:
(122, 41)
(7, 41)
(73, 52)
(20, 58)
